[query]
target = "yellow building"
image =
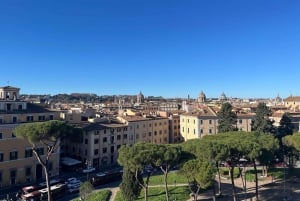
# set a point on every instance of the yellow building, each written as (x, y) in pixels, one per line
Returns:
(197, 124)
(292, 102)
(18, 165)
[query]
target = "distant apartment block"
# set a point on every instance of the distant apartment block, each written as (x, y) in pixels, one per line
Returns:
(101, 140)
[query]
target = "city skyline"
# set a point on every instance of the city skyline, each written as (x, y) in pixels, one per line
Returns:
(246, 49)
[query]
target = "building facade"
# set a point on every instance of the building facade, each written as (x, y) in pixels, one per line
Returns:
(18, 164)
(198, 124)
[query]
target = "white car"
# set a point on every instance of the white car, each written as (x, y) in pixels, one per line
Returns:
(87, 170)
(71, 180)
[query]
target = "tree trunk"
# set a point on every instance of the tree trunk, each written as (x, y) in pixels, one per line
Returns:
(146, 193)
(219, 180)
(48, 184)
(214, 191)
(256, 180)
(196, 193)
(242, 178)
(166, 185)
(232, 183)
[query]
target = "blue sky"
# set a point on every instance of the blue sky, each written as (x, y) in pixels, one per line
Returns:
(170, 48)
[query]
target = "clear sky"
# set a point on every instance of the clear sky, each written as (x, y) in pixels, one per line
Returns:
(169, 48)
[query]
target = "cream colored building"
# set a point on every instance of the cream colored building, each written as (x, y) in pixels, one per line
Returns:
(244, 122)
(292, 102)
(101, 140)
(197, 124)
(18, 165)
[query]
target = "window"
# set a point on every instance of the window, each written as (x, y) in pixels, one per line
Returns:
(13, 155)
(104, 139)
(194, 121)
(155, 124)
(137, 126)
(118, 147)
(27, 171)
(96, 141)
(28, 153)
(96, 151)
(182, 129)
(41, 118)
(137, 136)
(112, 149)
(201, 121)
(40, 151)
(155, 133)
(188, 130)
(125, 136)
(1, 157)
(86, 141)
(0, 135)
(104, 150)
(104, 131)
(201, 130)
(20, 107)
(1, 121)
(209, 121)
(118, 137)
(240, 121)
(112, 139)
(51, 117)
(210, 131)
(15, 119)
(149, 125)
(29, 118)
(160, 132)
(149, 133)
(13, 174)
(194, 131)
(13, 135)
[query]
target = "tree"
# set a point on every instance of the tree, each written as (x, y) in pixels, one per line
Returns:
(227, 119)
(261, 122)
(199, 173)
(166, 157)
(286, 127)
(130, 185)
(46, 134)
(86, 188)
(136, 158)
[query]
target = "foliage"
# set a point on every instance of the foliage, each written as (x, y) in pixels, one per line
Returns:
(286, 127)
(226, 119)
(261, 122)
(130, 186)
(86, 188)
(292, 141)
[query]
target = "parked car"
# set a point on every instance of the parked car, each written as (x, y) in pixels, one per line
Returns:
(71, 180)
(74, 183)
(89, 169)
